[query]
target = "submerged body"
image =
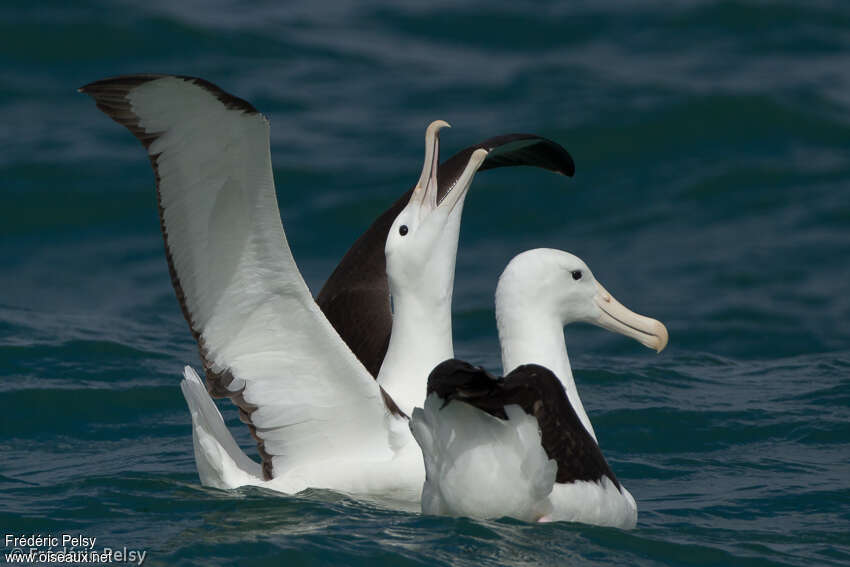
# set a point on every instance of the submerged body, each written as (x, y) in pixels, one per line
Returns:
(522, 446)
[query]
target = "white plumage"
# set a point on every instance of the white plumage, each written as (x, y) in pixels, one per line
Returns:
(318, 415)
(480, 465)
(253, 311)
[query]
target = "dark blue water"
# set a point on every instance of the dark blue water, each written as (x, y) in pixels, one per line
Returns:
(712, 144)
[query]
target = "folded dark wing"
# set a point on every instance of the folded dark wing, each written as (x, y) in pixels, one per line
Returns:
(540, 394)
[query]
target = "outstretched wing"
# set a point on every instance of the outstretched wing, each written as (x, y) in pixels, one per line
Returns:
(540, 394)
(263, 340)
(356, 297)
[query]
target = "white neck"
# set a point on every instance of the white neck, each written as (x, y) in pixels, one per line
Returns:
(532, 335)
(421, 335)
(421, 339)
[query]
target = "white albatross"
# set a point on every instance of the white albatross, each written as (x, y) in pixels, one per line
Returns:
(319, 418)
(522, 446)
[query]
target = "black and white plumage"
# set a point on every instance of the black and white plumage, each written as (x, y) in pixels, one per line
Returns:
(540, 394)
(522, 445)
(355, 298)
(319, 418)
(263, 340)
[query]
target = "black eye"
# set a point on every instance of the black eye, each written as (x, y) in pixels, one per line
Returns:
(576, 274)
(402, 230)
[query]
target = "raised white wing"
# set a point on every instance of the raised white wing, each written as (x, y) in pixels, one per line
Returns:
(263, 340)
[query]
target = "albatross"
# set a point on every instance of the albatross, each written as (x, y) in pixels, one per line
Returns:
(355, 298)
(523, 446)
(319, 417)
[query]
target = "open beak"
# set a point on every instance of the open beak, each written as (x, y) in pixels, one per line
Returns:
(618, 318)
(425, 192)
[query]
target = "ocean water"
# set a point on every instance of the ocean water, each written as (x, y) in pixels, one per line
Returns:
(712, 146)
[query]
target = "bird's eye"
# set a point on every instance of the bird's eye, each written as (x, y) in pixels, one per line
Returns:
(402, 230)
(576, 274)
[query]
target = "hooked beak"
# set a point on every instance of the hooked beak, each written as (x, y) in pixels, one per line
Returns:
(618, 318)
(425, 193)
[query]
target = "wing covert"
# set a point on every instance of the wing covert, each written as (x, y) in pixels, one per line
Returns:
(540, 394)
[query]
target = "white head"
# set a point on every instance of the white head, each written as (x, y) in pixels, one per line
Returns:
(421, 246)
(421, 249)
(545, 282)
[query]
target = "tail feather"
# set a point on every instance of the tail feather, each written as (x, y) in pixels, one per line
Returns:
(221, 462)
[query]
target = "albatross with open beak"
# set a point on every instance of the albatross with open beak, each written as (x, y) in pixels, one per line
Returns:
(319, 417)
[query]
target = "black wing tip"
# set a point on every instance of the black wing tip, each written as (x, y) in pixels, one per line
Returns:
(119, 82)
(122, 84)
(564, 158)
(569, 168)
(553, 156)
(229, 100)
